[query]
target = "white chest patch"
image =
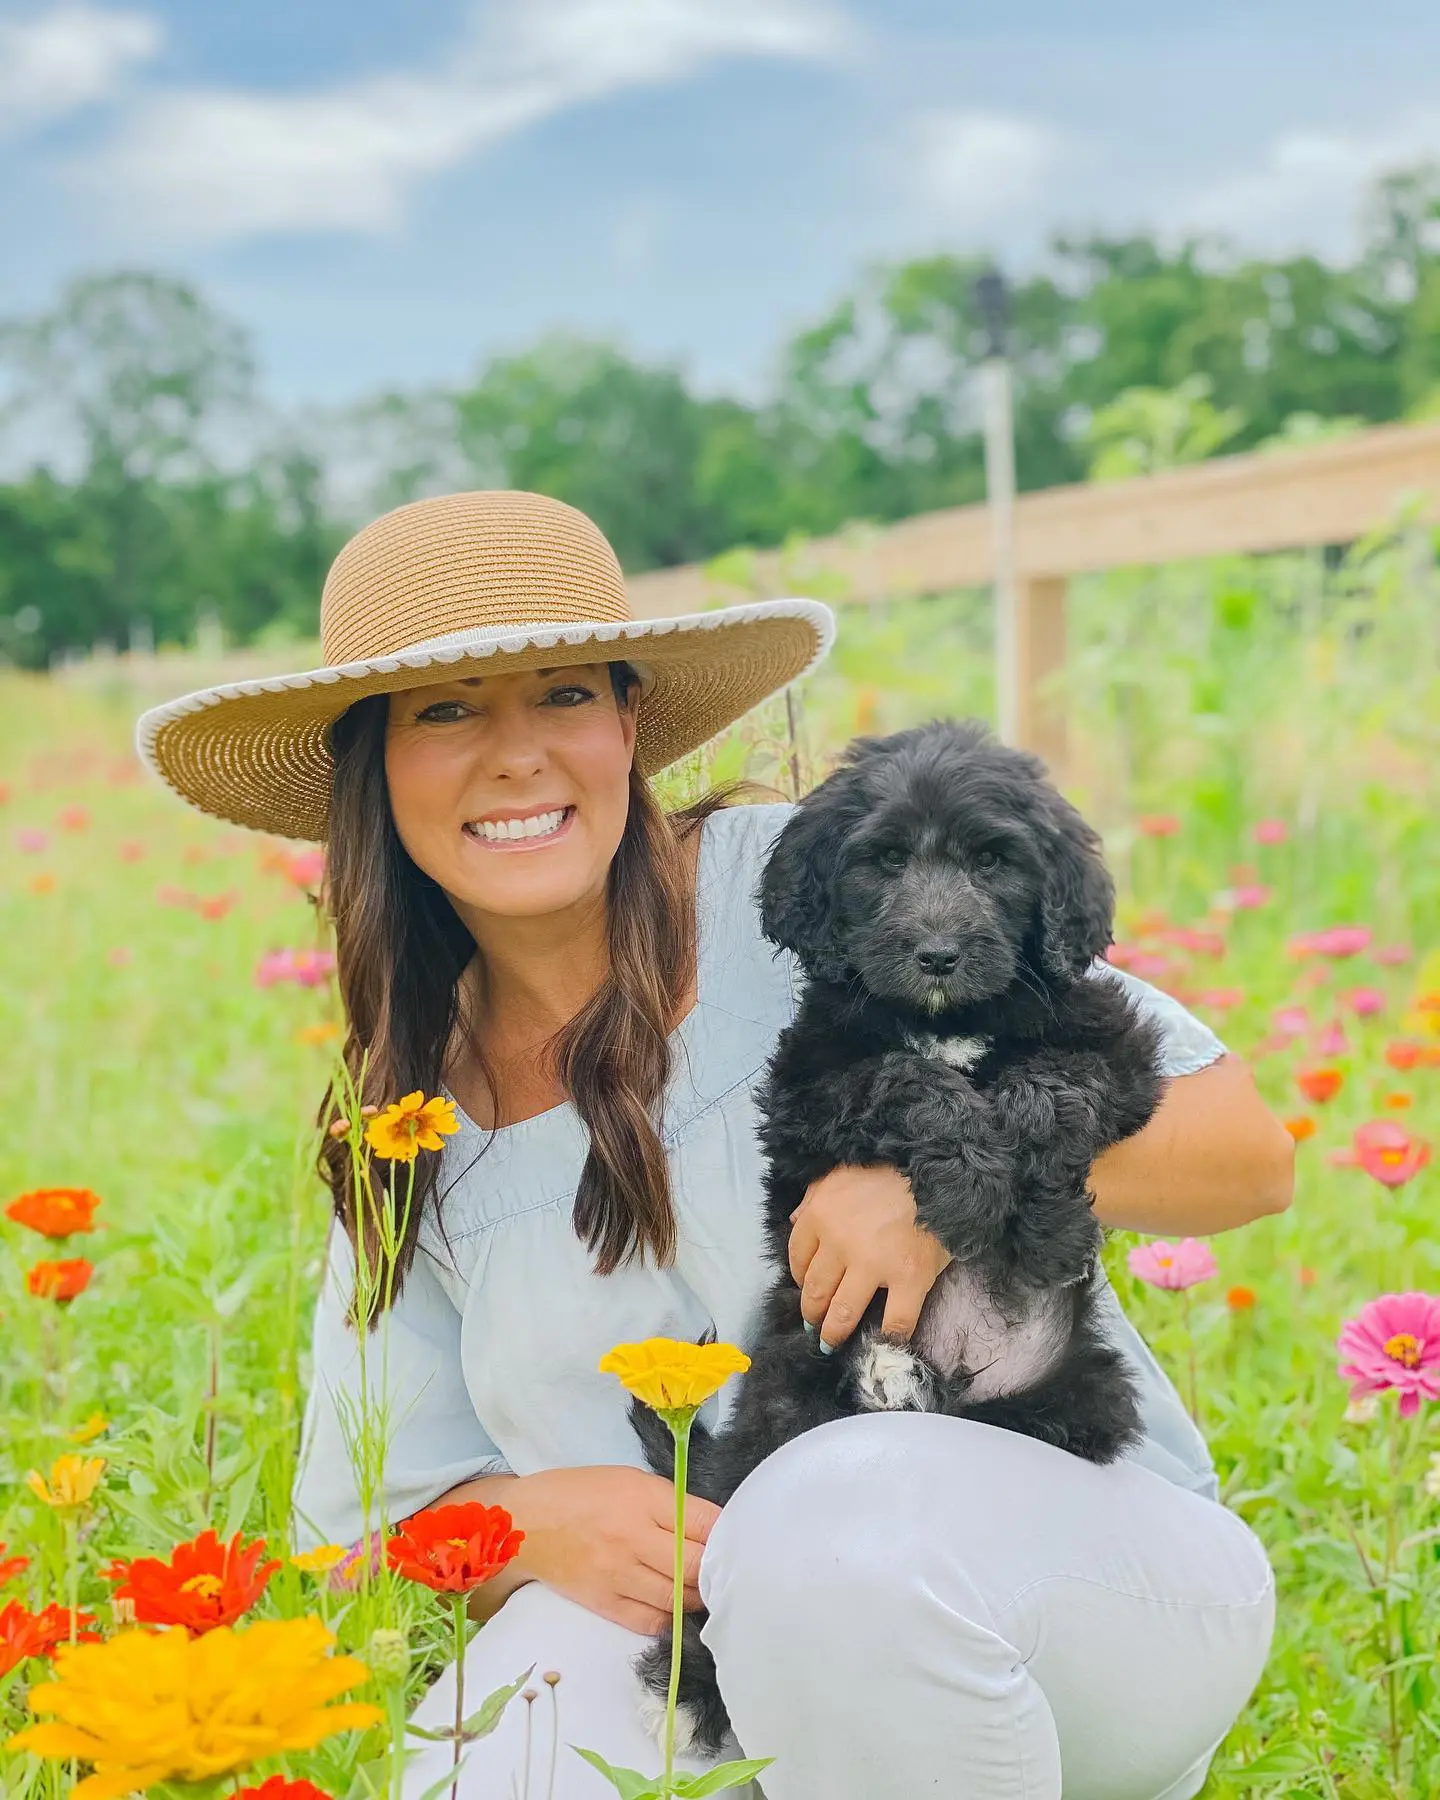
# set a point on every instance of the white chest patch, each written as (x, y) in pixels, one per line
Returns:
(959, 1052)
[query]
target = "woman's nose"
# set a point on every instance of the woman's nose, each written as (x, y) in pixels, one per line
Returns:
(511, 747)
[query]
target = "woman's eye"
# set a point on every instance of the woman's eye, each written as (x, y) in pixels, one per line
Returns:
(431, 712)
(573, 695)
(893, 859)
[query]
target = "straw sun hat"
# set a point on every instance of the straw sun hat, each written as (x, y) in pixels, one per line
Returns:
(469, 584)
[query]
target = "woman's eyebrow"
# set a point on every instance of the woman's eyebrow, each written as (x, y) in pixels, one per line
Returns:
(479, 680)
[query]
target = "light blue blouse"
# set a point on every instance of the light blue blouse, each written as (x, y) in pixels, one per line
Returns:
(494, 1342)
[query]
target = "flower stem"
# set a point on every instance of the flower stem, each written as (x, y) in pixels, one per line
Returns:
(680, 1429)
(459, 1689)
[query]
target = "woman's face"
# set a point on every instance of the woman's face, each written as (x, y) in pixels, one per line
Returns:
(512, 791)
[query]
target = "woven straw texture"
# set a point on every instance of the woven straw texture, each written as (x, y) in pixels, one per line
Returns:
(513, 581)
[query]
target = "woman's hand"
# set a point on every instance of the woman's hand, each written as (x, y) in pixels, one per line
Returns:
(604, 1537)
(853, 1233)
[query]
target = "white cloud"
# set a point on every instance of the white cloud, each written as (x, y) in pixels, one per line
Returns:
(977, 169)
(210, 163)
(1307, 191)
(57, 62)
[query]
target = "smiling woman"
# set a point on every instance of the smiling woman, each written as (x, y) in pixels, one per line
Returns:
(898, 1604)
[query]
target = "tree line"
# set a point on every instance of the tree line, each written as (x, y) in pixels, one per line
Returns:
(155, 486)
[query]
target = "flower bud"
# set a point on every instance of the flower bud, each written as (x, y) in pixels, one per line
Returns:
(388, 1654)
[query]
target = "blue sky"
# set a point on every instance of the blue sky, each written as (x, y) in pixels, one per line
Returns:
(384, 192)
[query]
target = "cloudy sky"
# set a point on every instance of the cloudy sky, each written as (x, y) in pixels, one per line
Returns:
(386, 191)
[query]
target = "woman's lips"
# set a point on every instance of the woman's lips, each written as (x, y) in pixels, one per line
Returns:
(530, 840)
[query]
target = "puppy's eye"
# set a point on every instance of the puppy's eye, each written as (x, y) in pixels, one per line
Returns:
(893, 858)
(986, 859)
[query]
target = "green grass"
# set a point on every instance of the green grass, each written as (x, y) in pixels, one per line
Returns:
(167, 1081)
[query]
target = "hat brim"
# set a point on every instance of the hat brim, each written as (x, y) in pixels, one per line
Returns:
(256, 753)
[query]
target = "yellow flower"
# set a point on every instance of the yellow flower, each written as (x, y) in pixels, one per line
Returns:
(322, 1558)
(73, 1479)
(93, 1426)
(673, 1377)
(152, 1706)
(322, 1033)
(409, 1126)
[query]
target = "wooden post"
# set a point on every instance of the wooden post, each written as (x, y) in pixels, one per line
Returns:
(1040, 653)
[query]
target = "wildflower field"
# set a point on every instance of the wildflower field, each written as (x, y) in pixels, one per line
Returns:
(1257, 742)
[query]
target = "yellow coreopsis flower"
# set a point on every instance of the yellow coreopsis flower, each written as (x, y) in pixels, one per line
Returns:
(152, 1706)
(673, 1377)
(93, 1426)
(410, 1125)
(73, 1479)
(319, 1560)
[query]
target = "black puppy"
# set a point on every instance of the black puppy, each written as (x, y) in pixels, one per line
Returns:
(946, 905)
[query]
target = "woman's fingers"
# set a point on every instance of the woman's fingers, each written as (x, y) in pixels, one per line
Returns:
(904, 1300)
(822, 1279)
(649, 1621)
(804, 1242)
(847, 1306)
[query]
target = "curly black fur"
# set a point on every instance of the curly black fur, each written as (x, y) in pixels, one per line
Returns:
(945, 903)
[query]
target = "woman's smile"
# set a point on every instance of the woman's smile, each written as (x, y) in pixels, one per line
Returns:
(534, 830)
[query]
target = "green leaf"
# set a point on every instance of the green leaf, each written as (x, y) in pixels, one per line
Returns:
(487, 1715)
(1282, 1759)
(446, 1781)
(724, 1775)
(630, 1784)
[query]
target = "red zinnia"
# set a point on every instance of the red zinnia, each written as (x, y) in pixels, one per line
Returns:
(11, 1566)
(1321, 1084)
(24, 1633)
(59, 1280)
(204, 1584)
(282, 1787)
(1385, 1150)
(55, 1212)
(453, 1548)
(1400, 1053)
(1157, 825)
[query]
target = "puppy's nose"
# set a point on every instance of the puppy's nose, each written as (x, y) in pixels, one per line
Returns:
(937, 956)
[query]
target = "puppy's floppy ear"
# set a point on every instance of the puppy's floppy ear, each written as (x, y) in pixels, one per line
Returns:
(796, 890)
(1077, 903)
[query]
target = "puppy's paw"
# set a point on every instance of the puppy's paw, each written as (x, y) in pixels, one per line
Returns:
(652, 1721)
(890, 1378)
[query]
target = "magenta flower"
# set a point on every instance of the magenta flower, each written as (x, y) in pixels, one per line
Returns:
(1392, 955)
(1394, 1342)
(1364, 1002)
(306, 968)
(1222, 999)
(1270, 831)
(1173, 1266)
(1332, 1041)
(1342, 940)
(31, 842)
(1291, 1021)
(1250, 897)
(1388, 1152)
(344, 1578)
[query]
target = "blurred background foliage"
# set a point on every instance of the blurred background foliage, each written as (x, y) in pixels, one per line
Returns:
(151, 489)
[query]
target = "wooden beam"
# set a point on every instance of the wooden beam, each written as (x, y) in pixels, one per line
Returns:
(1040, 645)
(1324, 494)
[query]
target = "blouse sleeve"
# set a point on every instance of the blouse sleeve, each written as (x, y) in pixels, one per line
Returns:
(436, 1440)
(1187, 1045)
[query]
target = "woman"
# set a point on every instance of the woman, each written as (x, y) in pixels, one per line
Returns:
(899, 1604)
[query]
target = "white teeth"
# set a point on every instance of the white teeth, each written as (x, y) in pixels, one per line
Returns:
(503, 830)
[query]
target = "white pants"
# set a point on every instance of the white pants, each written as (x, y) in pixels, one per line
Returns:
(901, 1605)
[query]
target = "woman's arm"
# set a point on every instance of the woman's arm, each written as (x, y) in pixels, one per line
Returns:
(1212, 1157)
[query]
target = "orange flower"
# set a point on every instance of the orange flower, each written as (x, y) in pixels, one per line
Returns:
(1320, 1084)
(454, 1548)
(59, 1280)
(1400, 1053)
(24, 1633)
(55, 1212)
(11, 1566)
(1399, 1100)
(1305, 1275)
(1300, 1127)
(1240, 1299)
(43, 883)
(409, 1126)
(203, 1585)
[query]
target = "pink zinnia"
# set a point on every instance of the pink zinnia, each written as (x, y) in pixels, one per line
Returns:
(1270, 831)
(1364, 1002)
(1391, 955)
(1394, 1343)
(1250, 897)
(1222, 999)
(1331, 1041)
(1341, 940)
(1173, 1266)
(1158, 825)
(1389, 1152)
(1291, 1021)
(31, 842)
(344, 1578)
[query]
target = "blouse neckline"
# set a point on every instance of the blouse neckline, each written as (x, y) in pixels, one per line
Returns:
(679, 1039)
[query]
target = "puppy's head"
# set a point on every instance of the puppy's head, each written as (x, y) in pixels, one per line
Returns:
(936, 866)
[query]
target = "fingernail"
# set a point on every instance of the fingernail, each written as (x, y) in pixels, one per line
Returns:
(811, 1331)
(826, 1349)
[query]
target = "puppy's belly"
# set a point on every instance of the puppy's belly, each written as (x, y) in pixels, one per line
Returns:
(961, 1331)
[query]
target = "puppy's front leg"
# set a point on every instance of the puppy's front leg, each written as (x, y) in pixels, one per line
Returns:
(924, 1119)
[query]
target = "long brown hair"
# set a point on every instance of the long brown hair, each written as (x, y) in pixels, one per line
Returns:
(401, 948)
